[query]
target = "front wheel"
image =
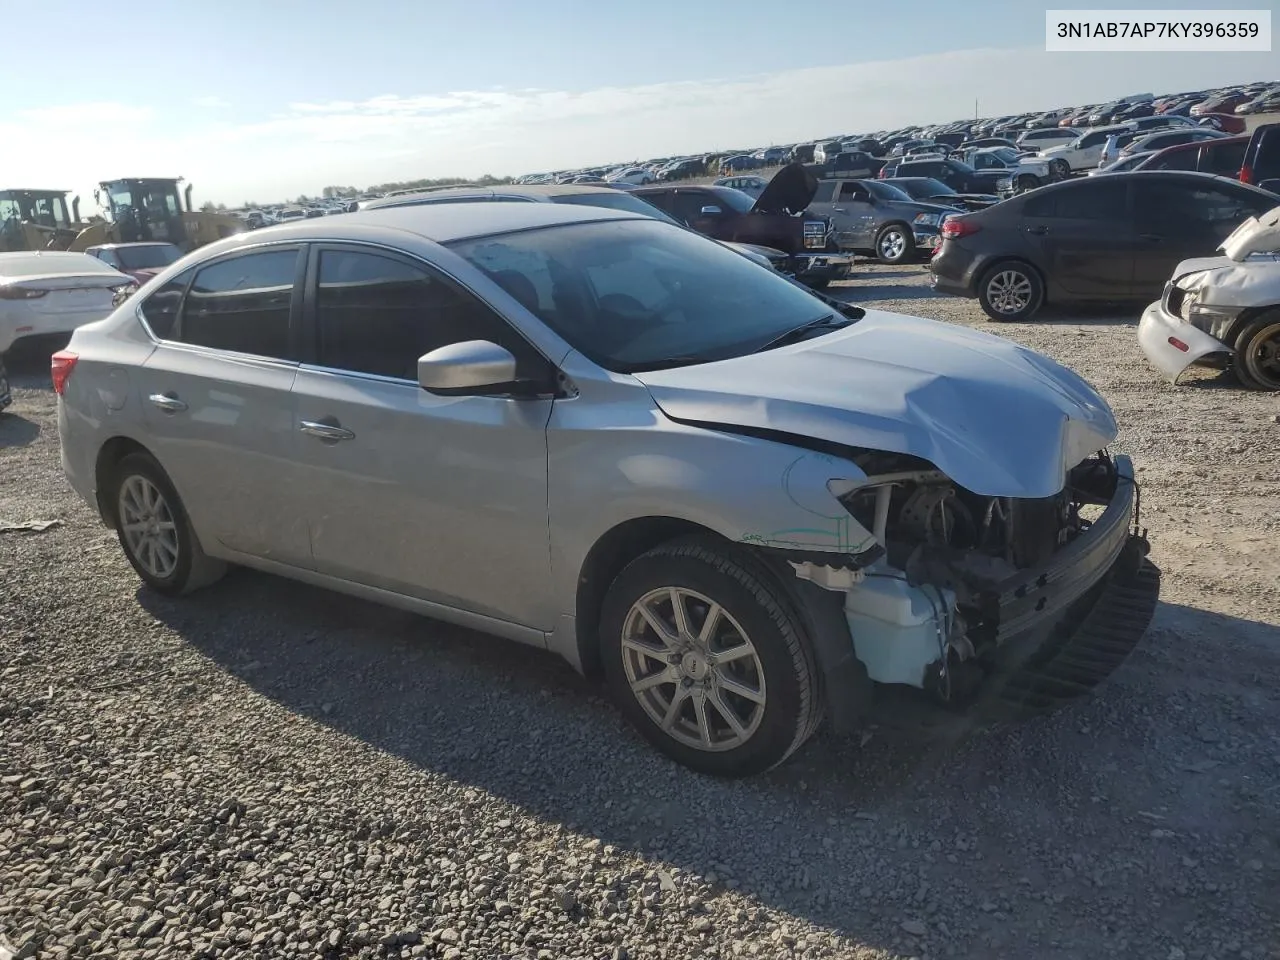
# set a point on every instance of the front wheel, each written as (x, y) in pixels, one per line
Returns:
(705, 658)
(1059, 169)
(1026, 182)
(1010, 292)
(1257, 354)
(154, 530)
(895, 244)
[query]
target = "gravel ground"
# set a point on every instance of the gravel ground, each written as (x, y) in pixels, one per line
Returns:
(266, 770)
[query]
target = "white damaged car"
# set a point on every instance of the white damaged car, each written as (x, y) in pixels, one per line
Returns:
(1219, 311)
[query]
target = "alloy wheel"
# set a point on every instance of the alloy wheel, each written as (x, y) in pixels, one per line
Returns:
(892, 244)
(693, 669)
(147, 524)
(1009, 292)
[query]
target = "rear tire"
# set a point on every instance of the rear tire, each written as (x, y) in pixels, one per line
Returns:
(154, 530)
(727, 687)
(1256, 359)
(1010, 292)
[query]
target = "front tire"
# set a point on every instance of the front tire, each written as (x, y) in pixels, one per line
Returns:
(1059, 169)
(154, 530)
(705, 657)
(1026, 182)
(895, 244)
(1257, 354)
(1010, 292)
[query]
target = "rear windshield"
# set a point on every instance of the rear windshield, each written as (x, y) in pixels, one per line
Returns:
(145, 258)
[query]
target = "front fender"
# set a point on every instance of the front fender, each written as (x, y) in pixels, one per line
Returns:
(746, 489)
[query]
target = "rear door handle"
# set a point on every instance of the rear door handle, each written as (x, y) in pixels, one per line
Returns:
(168, 402)
(325, 431)
(1037, 231)
(1151, 237)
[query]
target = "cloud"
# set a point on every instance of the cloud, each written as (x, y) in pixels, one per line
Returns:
(211, 102)
(297, 147)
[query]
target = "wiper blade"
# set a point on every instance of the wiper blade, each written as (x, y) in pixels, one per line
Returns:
(796, 334)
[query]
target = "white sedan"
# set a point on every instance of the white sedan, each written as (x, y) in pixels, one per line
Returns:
(752, 186)
(51, 292)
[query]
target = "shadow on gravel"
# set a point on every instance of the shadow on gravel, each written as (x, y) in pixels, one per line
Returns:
(887, 291)
(16, 431)
(521, 725)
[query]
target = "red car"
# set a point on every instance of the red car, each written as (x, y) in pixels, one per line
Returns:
(1223, 104)
(1226, 122)
(142, 261)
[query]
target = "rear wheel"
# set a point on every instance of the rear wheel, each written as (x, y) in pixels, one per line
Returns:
(1257, 353)
(704, 656)
(154, 531)
(1010, 291)
(895, 244)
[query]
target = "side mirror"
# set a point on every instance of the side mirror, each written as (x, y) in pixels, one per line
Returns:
(711, 211)
(470, 368)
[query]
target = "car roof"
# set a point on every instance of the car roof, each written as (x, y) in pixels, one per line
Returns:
(438, 222)
(535, 191)
(1145, 176)
(1198, 144)
(137, 243)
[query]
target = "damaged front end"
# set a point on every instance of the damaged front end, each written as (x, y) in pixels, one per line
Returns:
(993, 603)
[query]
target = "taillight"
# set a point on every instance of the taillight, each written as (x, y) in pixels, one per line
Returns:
(953, 228)
(63, 362)
(1246, 174)
(20, 293)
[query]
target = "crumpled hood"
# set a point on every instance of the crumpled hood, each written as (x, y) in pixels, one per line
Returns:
(1229, 283)
(997, 418)
(1255, 235)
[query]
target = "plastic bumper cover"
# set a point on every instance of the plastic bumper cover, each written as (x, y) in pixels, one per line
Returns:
(821, 266)
(1172, 344)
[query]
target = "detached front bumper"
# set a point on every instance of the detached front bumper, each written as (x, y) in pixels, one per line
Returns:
(820, 267)
(1171, 343)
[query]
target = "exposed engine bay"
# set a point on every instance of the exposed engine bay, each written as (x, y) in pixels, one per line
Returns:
(959, 573)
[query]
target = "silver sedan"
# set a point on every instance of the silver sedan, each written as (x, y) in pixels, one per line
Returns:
(745, 506)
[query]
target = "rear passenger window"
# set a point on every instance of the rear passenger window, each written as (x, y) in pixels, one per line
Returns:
(378, 315)
(160, 310)
(1178, 160)
(242, 304)
(1225, 160)
(1083, 201)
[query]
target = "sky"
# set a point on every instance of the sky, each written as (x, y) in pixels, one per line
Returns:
(268, 99)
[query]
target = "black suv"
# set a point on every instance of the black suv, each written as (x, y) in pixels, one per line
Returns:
(956, 174)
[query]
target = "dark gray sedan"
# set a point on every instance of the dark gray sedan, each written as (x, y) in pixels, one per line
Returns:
(878, 218)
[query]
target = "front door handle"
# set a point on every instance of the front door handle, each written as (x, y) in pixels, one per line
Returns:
(325, 431)
(168, 402)
(838, 209)
(1151, 237)
(1037, 231)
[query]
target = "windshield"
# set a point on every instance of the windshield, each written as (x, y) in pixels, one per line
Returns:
(643, 295)
(924, 187)
(1007, 154)
(615, 200)
(148, 256)
(741, 202)
(885, 191)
